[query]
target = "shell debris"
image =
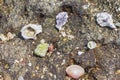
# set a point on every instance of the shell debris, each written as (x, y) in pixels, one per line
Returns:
(30, 31)
(61, 20)
(105, 19)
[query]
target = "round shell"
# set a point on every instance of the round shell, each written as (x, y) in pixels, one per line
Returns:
(30, 31)
(75, 71)
(91, 45)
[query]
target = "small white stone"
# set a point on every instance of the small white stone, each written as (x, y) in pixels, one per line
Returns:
(42, 41)
(29, 64)
(80, 52)
(58, 53)
(16, 61)
(85, 6)
(118, 9)
(63, 33)
(63, 62)
(91, 45)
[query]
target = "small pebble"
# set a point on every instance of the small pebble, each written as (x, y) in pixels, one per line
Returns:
(85, 6)
(58, 53)
(80, 52)
(20, 78)
(29, 64)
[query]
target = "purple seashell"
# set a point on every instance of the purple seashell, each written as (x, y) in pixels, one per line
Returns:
(61, 19)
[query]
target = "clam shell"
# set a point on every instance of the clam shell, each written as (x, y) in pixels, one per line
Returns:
(75, 71)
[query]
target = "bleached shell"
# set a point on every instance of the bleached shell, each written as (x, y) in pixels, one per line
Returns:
(37, 28)
(61, 20)
(105, 19)
(75, 71)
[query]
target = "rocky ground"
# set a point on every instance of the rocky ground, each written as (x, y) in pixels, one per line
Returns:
(17, 61)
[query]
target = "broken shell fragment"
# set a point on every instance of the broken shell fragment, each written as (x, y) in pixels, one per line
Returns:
(105, 19)
(30, 31)
(75, 71)
(41, 49)
(91, 45)
(61, 20)
(7, 37)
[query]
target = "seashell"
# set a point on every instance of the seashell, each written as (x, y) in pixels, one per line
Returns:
(75, 71)
(105, 19)
(7, 37)
(30, 31)
(91, 45)
(61, 20)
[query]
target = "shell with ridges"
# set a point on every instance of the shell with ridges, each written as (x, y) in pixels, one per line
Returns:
(75, 71)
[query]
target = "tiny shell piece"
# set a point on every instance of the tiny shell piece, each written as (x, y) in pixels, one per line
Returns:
(30, 31)
(61, 20)
(91, 45)
(3, 37)
(10, 35)
(80, 52)
(75, 71)
(105, 19)
(7, 37)
(41, 49)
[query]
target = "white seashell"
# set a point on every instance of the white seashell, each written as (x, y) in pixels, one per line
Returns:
(75, 71)
(91, 45)
(105, 19)
(61, 20)
(30, 31)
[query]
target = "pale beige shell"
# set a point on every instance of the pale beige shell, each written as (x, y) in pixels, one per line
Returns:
(75, 71)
